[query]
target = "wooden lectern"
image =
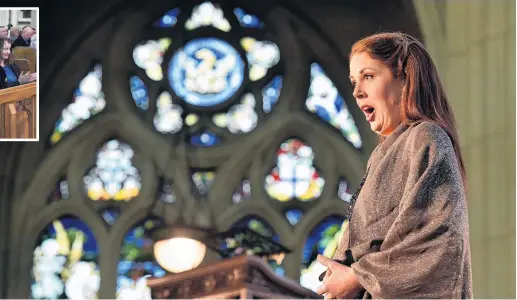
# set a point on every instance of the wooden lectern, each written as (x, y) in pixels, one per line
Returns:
(242, 277)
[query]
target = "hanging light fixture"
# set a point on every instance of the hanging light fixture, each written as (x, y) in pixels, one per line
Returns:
(183, 247)
(180, 249)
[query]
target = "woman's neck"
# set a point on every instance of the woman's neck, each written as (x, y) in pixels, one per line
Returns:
(2, 63)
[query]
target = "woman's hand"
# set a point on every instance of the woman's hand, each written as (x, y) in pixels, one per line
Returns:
(339, 282)
(27, 77)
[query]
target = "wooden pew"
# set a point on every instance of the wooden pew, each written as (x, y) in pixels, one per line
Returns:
(18, 112)
(28, 54)
(23, 64)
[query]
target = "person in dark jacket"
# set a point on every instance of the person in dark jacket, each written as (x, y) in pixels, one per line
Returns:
(24, 39)
(9, 73)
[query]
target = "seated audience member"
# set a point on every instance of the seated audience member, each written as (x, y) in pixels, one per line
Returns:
(24, 39)
(14, 32)
(34, 41)
(3, 32)
(9, 73)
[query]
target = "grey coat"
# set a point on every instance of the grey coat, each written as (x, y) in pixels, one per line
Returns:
(412, 204)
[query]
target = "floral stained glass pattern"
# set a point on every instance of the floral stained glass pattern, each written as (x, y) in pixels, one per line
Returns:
(325, 101)
(169, 19)
(324, 240)
(271, 92)
(137, 261)
(242, 192)
(261, 55)
(240, 118)
(65, 262)
(206, 72)
(139, 92)
(149, 57)
(167, 118)
(208, 14)
(114, 176)
(203, 181)
(294, 176)
(88, 100)
(205, 139)
(247, 20)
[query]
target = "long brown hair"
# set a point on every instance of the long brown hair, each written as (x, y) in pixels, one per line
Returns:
(423, 95)
(2, 43)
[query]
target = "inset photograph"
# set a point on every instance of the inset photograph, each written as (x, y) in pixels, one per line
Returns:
(19, 105)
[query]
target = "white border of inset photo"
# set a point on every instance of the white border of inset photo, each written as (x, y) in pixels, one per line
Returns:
(38, 30)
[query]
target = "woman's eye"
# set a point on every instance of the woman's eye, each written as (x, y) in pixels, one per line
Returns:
(368, 76)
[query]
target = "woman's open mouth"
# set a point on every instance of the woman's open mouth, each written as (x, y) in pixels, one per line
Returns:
(368, 112)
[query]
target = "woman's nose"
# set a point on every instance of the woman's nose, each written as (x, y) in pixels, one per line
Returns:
(358, 92)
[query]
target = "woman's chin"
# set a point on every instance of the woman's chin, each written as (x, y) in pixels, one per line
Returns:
(375, 127)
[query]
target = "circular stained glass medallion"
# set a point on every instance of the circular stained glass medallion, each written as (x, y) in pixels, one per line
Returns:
(206, 72)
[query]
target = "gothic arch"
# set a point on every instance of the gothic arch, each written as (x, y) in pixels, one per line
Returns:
(110, 45)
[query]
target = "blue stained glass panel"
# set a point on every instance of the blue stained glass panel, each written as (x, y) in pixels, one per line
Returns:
(88, 100)
(206, 72)
(110, 215)
(325, 101)
(139, 92)
(247, 20)
(271, 92)
(294, 216)
(169, 19)
(205, 139)
(322, 240)
(137, 258)
(65, 258)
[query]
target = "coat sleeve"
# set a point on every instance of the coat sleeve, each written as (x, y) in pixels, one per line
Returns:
(423, 253)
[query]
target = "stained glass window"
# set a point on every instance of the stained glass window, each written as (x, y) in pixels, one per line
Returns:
(294, 216)
(166, 192)
(110, 215)
(205, 139)
(137, 261)
(343, 191)
(168, 115)
(247, 20)
(206, 72)
(203, 181)
(169, 19)
(258, 225)
(271, 92)
(88, 100)
(324, 240)
(325, 101)
(242, 192)
(149, 56)
(114, 176)
(208, 14)
(139, 92)
(60, 192)
(261, 55)
(65, 262)
(240, 118)
(294, 176)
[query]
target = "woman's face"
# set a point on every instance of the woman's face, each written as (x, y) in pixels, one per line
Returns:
(377, 92)
(6, 50)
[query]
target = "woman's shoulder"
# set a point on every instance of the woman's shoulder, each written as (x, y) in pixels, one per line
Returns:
(428, 134)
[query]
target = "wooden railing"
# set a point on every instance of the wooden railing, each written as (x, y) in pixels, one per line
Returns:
(18, 112)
